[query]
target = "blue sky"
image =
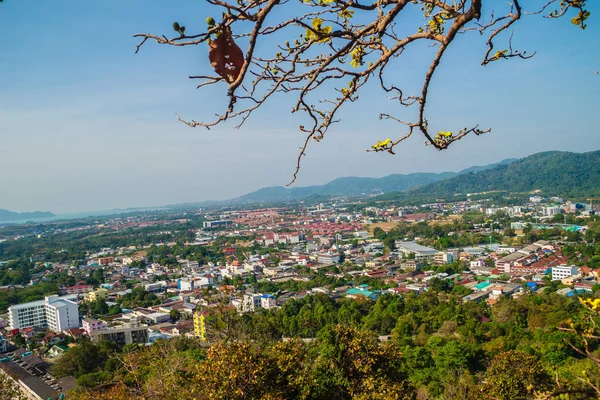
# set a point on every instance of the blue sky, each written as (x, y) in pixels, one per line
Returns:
(87, 125)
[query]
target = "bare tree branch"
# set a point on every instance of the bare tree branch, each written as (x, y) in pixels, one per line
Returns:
(333, 54)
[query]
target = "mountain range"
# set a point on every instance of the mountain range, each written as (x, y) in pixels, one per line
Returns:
(357, 186)
(7, 216)
(553, 172)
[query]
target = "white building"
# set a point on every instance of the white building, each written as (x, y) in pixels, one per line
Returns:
(268, 301)
(551, 210)
(54, 312)
(420, 252)
(251, 302)
(563, 272)
(361, 234)
(326, 258)
(443, 257)
(156, 287)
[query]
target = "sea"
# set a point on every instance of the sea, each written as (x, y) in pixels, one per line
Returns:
(70, 216)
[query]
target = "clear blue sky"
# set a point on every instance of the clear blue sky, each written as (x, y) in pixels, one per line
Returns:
(87, 125)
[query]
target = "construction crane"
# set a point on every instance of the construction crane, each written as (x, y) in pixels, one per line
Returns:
(592, 200)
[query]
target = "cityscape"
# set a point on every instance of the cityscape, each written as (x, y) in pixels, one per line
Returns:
(307, 199)
(145, 277)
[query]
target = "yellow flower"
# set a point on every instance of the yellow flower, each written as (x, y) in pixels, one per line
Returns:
(317, 26)
(499, 53)
(346, 13)
(381, 144)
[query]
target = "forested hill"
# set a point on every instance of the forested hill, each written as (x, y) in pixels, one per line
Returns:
(356, 186)
(7, 216)
(553, 172)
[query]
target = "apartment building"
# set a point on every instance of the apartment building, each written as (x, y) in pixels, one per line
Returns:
(563, 272)
(54, 312)
(90, 325)
(128, 333)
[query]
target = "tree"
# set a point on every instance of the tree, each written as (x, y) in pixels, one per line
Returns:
(114, 310)
(379, 233)
(82, 359)
(329, 50)
(19, 340)
(98, 307)
(514, 375)
(9, 389)
(175, 315)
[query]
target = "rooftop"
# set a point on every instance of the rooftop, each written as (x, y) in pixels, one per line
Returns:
(414, 246)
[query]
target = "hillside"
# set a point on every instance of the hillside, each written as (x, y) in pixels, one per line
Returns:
(553, 172)
(7, 216)
(356, 186)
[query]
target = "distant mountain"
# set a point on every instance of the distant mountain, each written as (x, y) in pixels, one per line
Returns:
(7, 216)
(355, 186)
(553, 172)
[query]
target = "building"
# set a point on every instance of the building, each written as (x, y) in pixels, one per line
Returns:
(326, 258)
(186, 285)
(412, 265)
(90, 325)
(106, 260)
(200, 325)
(2, 344)
(54, 312)
(268, 301)
(443, 257)
(156, 287)
(563, 272)
(98, 294)
(361, 234)
(225, 223)
(551, 210)
(128, 333)
(251, 302)
(420, 252)
(77, 289)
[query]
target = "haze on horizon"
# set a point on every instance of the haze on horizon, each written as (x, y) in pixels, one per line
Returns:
(87, 125)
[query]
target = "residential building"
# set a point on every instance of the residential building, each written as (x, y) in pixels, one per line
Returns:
(412, 265)
(326, 258)
(54, 312)
(268, 301)
(90, 325)
(77, 289)
(551, 210)
(128, 333)
(443, 257)
(106, 260)
(186, 284)
(251, 302)
(98, 294)
(563, 272)
(156, 287)
(200, 325)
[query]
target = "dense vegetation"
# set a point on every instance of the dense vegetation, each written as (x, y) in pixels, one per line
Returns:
(555, 173)
(438, 348)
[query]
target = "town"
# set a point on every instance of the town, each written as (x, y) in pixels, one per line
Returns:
(173, 272)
